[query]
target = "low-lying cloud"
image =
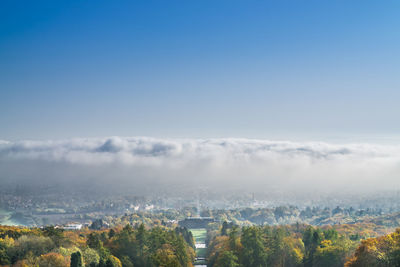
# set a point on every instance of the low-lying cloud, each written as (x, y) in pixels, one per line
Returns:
(257, 165)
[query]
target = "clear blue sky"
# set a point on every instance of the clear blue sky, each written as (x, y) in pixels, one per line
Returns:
(198, 68)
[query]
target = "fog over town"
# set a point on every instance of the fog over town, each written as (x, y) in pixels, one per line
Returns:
(151, 164)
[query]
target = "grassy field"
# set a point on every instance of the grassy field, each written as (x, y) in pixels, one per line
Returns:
(199, 235)
(201, 252)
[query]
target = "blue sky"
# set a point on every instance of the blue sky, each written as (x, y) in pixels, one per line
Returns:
(258, 69)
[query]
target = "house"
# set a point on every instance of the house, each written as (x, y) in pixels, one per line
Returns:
(73, 226)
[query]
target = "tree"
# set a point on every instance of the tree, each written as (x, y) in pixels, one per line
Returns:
(224, 229)
(312, 239)
(234, 237)
(141, 248)
(52, 260)
(5, 245)
(217, 246)
(181, 250)
(97, 225)
(21, 263)
(227, 259)
(276, 247)
(126, 262)
(90, 256)
(165, 256)
(38, 245)
(31, 260)
(254, 254)
(94, 241)
(329, 255)
(307, 237)
(76, 259)
(113, 262)
(331, 234)
(369, 254)
(111, 233)
(186, 234)
(56, 234)
(4, 258)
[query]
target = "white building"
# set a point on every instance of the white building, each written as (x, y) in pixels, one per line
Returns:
(73, 226)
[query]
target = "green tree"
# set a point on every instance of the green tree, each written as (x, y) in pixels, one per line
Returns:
(227, 259)
(126, 262)
(93, 241)
(38, 245)
(113, 262)
(331, 234)
(4, 258)
(233, 237)
(254, 254)
(329, 255)
(90, 256)
(111, 233)
(224, 229)
(76, 259)
(277, 249)
(312, 239)
(56, 234)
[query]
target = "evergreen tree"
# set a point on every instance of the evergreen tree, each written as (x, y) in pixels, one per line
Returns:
(227, 259)
(254, 254)
(76, 259)
(224, 229)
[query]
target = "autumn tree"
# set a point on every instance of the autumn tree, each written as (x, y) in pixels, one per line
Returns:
(52, 260)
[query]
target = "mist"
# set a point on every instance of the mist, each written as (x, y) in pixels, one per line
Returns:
(150, 165)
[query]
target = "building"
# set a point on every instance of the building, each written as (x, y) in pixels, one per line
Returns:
(73, 226)
(196, 222)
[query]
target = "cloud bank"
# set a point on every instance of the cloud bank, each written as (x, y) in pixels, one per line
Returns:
(257, 165)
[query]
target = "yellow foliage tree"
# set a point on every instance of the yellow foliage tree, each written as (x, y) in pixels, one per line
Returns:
(53, 260)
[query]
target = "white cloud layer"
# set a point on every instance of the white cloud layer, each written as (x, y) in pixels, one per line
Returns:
(240, 163)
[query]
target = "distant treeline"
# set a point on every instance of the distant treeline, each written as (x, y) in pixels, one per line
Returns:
(270, 216)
